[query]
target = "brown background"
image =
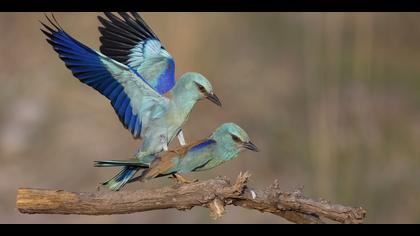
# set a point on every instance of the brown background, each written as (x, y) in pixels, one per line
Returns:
(331, 99)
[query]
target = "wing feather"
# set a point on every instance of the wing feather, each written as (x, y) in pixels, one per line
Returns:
(129, 40)
(131, 96)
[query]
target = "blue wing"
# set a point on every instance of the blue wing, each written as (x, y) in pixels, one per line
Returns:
(129, 40)
(129, 95)
(203, 144)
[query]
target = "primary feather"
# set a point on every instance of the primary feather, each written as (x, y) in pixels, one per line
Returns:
(132, 98)
(129, 40)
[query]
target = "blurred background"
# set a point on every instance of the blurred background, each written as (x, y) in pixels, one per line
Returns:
(331, 99)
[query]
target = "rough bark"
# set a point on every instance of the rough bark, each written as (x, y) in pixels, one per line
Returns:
(214, 194)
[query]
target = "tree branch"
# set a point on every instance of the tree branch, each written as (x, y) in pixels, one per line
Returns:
(213, 194)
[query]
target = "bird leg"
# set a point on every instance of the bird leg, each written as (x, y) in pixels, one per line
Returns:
(137, 151)
(182, 180)
(181, 138)
(164, 142)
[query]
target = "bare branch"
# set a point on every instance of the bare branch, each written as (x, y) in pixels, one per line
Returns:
(214, 194)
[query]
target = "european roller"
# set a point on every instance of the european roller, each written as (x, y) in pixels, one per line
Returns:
(222, 145)
(134, 81)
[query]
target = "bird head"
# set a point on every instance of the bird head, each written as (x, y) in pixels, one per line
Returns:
(199, 87)
(233, 138)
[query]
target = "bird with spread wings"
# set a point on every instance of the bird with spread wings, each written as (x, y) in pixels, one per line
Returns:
(134, 71)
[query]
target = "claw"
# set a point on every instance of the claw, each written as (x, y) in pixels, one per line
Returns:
(182, 180)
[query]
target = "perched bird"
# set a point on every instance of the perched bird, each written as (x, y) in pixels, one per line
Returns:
(223, 145)
(137, 101)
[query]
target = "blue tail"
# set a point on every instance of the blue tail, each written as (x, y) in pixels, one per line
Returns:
(125, 175)
(118, 181)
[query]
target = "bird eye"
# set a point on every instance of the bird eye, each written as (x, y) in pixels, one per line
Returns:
(201, 88)
(236, 139)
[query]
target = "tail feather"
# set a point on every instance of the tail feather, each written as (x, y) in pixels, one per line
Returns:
(125, 175)
(122, 178)
(114, 163)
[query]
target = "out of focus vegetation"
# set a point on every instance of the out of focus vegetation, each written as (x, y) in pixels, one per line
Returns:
(332, 100)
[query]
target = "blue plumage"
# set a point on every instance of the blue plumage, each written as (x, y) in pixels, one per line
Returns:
(122, 177)
(223, 145)
(141, 77)
(129, 40)
(167, 80)
(133, 70)
(86, 65)
(203, 145)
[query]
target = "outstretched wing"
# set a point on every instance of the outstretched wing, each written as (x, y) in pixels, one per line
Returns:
(129, 40)
(132, 98)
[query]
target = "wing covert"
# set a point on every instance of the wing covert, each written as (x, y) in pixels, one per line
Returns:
(130, 41)
(130, 96)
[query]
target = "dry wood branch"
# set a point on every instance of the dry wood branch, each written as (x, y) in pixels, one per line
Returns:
(213, 194)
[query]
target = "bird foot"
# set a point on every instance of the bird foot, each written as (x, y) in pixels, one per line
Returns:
(179, 179)
(164, 142)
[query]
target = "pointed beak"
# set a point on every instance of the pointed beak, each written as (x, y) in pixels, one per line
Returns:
(212, 97)
(250, 146)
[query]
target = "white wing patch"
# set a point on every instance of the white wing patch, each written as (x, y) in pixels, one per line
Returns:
(142, 51)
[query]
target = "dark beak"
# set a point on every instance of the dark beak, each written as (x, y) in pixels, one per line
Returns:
(212, 97)
(249, 145)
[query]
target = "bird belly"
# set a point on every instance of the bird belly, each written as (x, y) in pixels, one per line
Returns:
(156, 138)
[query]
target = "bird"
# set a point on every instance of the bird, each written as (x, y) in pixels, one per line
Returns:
(138, 102)
(224, 144)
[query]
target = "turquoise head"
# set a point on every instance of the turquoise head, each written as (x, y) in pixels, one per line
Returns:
(196, 87)
(232, 139)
